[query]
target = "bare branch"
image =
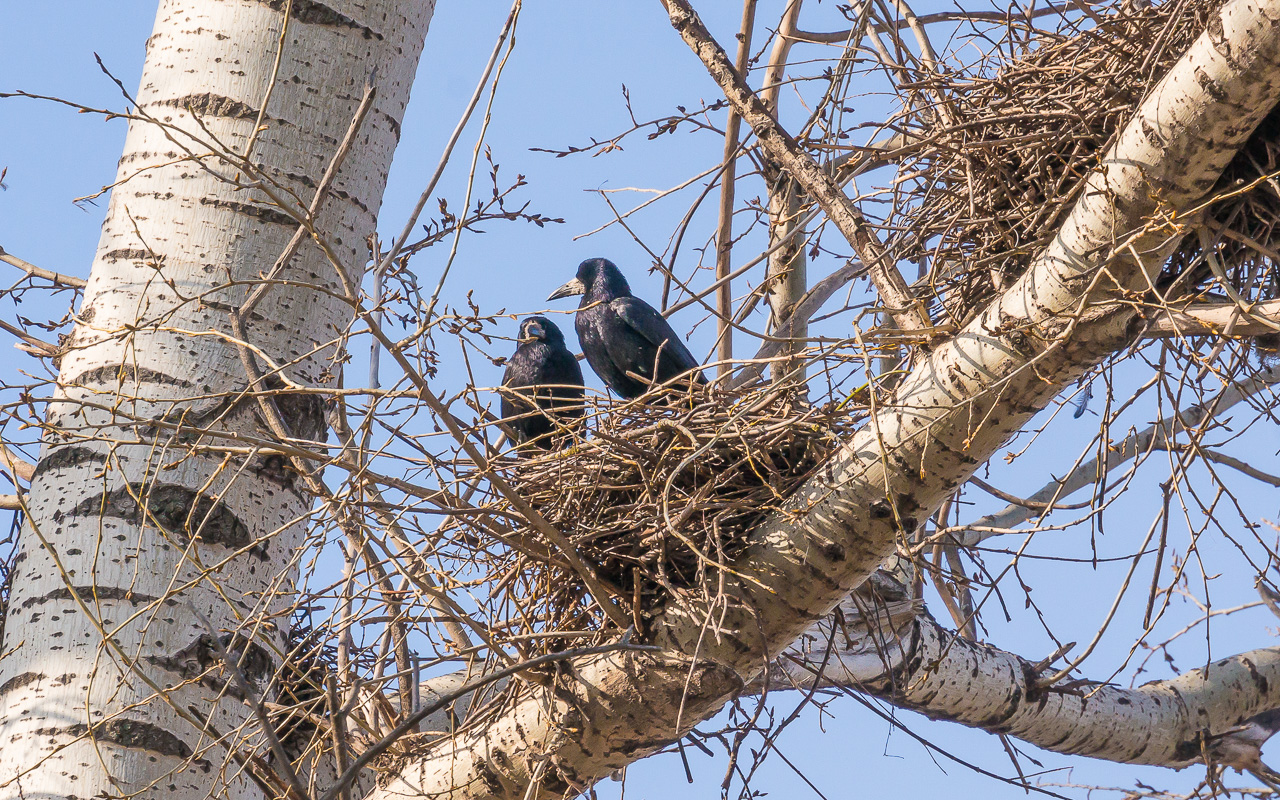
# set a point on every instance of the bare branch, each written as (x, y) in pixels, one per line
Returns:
(1133, 446)
(916, 663)
(994, 17)
(724, 227)
(1213, 319)
(55, 278)
(817, 183)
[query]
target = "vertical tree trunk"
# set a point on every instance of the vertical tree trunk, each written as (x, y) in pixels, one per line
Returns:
(111, 683)
(788, 279)
(786, 273)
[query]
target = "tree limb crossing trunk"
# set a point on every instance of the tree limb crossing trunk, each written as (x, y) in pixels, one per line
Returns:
(111, 685)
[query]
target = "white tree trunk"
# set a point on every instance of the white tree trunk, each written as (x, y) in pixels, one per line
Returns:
(949, 415)
(112, 685)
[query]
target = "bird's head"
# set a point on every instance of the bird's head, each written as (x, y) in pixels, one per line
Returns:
(540, 329)
(597, 280)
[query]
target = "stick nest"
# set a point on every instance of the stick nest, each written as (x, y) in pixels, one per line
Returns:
(659, 497)
(1010, 148)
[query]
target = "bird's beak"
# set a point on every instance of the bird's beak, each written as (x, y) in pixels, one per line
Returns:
(568, 290)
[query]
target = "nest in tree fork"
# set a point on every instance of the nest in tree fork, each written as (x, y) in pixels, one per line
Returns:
(1009, 149)
(659, 497)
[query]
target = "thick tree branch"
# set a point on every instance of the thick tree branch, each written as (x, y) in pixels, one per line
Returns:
(1212, 320)
(916, 663)
(881, 642)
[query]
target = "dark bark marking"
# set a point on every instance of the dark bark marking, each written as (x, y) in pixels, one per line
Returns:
(299, 178)
(1187, 750)
(302, 412)
(1210, 86)
(1218, 38)
(1259, 680)
(350, 198)
(315, 13)
(126, 254)
(175, 509)
(488, 777)
(198, 660)
(218, 305)
(265, 213)
(555, 783)
(831, 551)
(90, 593)
(123, 373)
(815, 574)
(1152, 133)
(392, 123)
(209, 104)
(276, 469)
(18, 681)
(130, 733)
(71, 456)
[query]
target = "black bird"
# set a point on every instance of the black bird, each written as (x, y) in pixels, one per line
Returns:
(542, 385)
(623, 336)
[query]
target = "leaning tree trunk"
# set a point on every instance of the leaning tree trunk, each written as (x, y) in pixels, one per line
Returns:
(158, 541)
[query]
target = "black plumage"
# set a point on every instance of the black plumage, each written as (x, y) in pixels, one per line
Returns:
(626, 341)
(542, 385)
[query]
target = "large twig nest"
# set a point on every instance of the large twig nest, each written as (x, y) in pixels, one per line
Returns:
(662, 494)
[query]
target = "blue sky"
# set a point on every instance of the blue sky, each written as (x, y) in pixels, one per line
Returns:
(562, 87)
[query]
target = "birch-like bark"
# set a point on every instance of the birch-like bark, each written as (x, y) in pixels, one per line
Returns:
(1209, 319)
(885, 647)
(112, 684)
(951, 413)
(880, 641)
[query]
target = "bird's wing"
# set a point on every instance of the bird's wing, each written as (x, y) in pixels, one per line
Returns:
(569, 372)
(645, 320)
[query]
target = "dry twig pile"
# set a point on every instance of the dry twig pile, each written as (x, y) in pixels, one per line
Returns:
(1009, 148)
(660, 495)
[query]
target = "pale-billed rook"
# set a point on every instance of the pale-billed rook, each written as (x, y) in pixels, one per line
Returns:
(626, 341)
